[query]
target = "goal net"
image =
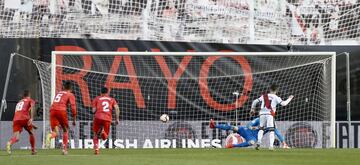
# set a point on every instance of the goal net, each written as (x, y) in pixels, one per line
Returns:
(192, 88)
(224, 21)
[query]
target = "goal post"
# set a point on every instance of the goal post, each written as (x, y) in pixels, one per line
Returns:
(13, 71)
(202, 86)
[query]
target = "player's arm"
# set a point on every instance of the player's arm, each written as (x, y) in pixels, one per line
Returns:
(117, 113)
(287, 101)
(253, 105)
(253, 124)
(73, 108)
(32, 112)
(94, 105)
(117, 110)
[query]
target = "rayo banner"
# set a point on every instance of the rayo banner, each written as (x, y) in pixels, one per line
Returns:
(185, 134)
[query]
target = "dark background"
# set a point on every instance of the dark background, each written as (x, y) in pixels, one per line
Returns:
(41, 49)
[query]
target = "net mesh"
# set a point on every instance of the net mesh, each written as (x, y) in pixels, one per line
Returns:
(194, 89)
(220, 21)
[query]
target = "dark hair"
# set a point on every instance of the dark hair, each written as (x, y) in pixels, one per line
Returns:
(67, 85)
(26, 93)
(274, 87)
(104, 90)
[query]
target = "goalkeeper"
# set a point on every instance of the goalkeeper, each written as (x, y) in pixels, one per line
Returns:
(248, 132)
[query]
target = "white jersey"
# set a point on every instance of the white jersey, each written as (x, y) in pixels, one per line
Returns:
(274, 101)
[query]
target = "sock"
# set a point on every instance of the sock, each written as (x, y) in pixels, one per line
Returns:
(223, 126)
(260, 136)
(272, 139)
(53, 135)
(65, 140)
(32, 142)
(13, 140)
(96, 142)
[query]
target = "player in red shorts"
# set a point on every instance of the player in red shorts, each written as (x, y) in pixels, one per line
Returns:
(59, 117)
(102, 107)
(23, 118)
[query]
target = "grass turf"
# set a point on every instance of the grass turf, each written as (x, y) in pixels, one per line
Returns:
(185, 157)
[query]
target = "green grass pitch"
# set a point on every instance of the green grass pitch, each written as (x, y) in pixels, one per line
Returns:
(185, 157)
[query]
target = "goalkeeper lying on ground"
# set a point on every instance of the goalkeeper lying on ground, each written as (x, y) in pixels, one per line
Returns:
(248, 132)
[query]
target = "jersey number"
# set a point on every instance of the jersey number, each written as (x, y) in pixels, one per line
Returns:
(106, 106)
(58, 97)
(19, 106)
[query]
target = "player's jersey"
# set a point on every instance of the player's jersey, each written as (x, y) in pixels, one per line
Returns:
(104, 106)
(247, 133)
(253, 126)
(23, 107)
(62, 100)
(274, 101)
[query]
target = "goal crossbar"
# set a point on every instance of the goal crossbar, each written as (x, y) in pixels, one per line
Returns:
(114, 53)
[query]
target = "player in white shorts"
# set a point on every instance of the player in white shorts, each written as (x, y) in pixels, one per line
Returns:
(269, 101)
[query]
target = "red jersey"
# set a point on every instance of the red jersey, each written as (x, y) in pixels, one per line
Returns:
(23, 107)
(104, 106)
(62, 100)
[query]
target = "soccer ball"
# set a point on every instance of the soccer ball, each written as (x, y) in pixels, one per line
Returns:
(164, 118)
(233, 138)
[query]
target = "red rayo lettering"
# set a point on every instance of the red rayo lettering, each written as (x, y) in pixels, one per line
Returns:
(170, 78)
(204, 89)
(75, 77)
(134, 82)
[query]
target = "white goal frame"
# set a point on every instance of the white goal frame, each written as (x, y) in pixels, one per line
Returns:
(115, 53)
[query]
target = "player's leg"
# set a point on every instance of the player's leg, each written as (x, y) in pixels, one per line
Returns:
(106, 130)
(29, 129)
(96, 131)
(15, 137)
(17, 129)
(65, 126)
(281, 138)
(13, 140)
(261, 130)
(103, 127)
(54, 124)
(270, 126)
(65, 140)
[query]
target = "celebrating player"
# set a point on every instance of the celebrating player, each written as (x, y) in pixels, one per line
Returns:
(269, 101)
(59, 117)
(23, 118)
(248, 132)
(102, 107)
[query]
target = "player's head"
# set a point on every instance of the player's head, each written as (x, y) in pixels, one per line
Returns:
(26, 93)
(274, 88)
(67, 85)
(104, 90)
